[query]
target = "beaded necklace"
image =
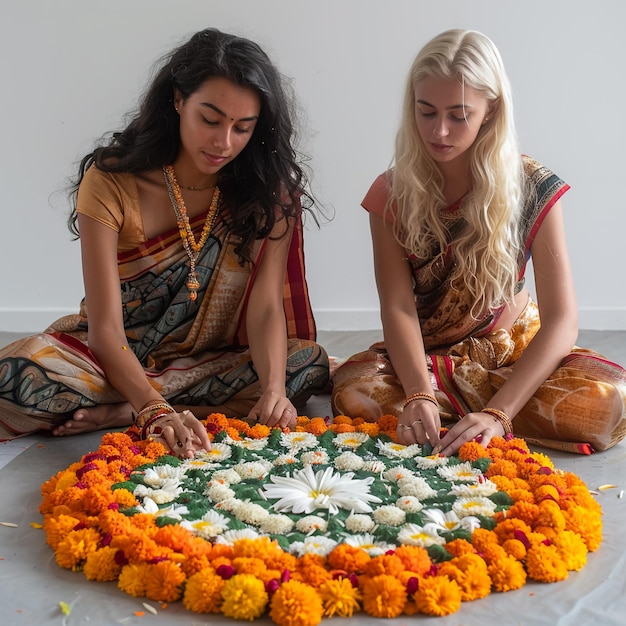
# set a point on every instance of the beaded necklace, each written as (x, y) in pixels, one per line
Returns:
(192, 248)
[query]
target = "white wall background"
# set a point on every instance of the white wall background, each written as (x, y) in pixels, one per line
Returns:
(71, 69)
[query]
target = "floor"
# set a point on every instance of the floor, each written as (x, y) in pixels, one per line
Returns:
(596, 594)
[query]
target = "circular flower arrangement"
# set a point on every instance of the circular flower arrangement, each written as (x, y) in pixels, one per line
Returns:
(327, 520)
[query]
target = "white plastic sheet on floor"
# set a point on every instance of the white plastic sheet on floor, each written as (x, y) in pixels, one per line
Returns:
(32, 584)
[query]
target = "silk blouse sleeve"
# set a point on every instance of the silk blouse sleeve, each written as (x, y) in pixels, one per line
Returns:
(376, 198)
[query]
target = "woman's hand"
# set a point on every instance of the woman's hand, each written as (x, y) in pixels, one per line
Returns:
(479, 427)
(182, 433)
(419, 423)
(274, 409)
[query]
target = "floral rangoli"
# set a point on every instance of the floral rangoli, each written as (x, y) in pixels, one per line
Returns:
(327, 520)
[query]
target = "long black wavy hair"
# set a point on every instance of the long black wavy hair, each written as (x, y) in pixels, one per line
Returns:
(264, 176)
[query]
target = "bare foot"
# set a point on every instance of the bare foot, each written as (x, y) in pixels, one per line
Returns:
(101, 417)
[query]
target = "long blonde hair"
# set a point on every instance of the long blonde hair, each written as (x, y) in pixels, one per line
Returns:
(486, 253)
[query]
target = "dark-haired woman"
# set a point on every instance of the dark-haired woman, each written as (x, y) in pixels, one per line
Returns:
(191, 239)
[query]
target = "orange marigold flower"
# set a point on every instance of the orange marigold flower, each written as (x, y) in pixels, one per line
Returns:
(369, 428)
(572, 549)
(317, 426)
(526, 511)
(101, 565)
(507, 528)
(249, 565)
(514, 548)
(233, 433)
(587, 524)
(388, 423)
(203, 592)
(507, 574)
(472, 578)
(74, 548)
(164, 583)
(544, 563)
(342, 428)
(132, 579)
(218, 420)
(383, 595)
(65, 480)
(458, 547)
(384, 564)
(56, 528)
(438, 595)
(342, 419)
(550, 515)
(244, 597)
(471, 451)
(154, 449)
(339, 597)
(416, 559)
(296, 604)
(502, 467)
(503, 483)
(348, 558)
(521, 495)
(259, 431)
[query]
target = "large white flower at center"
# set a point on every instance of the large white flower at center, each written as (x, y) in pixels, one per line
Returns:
(307, 491)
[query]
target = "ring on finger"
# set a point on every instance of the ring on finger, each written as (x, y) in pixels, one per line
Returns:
(416, 422)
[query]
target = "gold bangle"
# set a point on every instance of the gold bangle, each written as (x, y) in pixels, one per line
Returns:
(502, 417)
(420, 396)
(148, 411)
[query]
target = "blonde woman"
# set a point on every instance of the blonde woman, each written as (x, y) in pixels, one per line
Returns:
(453, 224)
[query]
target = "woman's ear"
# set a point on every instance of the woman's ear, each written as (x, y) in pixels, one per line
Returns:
(178, 99)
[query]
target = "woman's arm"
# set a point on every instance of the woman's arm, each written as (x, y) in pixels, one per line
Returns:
(267, 330)
(403, 337)
(556, 300)
(106, 336)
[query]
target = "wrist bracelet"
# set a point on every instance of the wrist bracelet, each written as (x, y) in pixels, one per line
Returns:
(146, 413)
(502, 417)
(420, 396)
(145, 433)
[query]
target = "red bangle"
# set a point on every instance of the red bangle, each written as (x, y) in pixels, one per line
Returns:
(144, 434)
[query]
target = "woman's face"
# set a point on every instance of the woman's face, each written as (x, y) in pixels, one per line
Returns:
(449, 116)
(216, 124)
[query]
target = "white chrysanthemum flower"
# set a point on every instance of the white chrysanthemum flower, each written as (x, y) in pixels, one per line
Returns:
(394, 450)
(350, 440)
(226, 477)
(218, 452)
(251, 444)
(276, 525)
(316, 544)
(471, 490)
(390, 515)
(175, 511)
(474, 506)
(443, 522)
(415, 486)
(414, 535)
(428, 462)
(217, 491)
(348, 461)
(463, 472)
(298, 441)
(167, 492)
(229, 504)
(160, 475)
(251, 513)
(198, 463)
(369, 543)
(230, 537)
(357, 523)
(394, 474)
(253, 469)
(324, 489)
(376, 466)
(410, 504)
(311, 523)
(315, 457)
(211, 525)
(286, 459)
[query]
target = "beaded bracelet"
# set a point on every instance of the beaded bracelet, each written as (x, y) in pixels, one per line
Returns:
(502, 417)
(420, 396)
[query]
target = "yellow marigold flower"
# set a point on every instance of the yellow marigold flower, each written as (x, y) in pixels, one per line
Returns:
(503, 483)
(203, 592)
(438, 595)
(416, 559)
(100, 565)
(507, 574)
(383, 596)
(132, 579)
(348, 558)
(384, 564)
(244, 597)
(65, 481)
(471, 451)
(57, 528)
(296, 604)
(550, 515)
(164, 582)
(74, 548)
(587, 524)
(339, 597)
(572, 549)
(544, 563)
(544, 460)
